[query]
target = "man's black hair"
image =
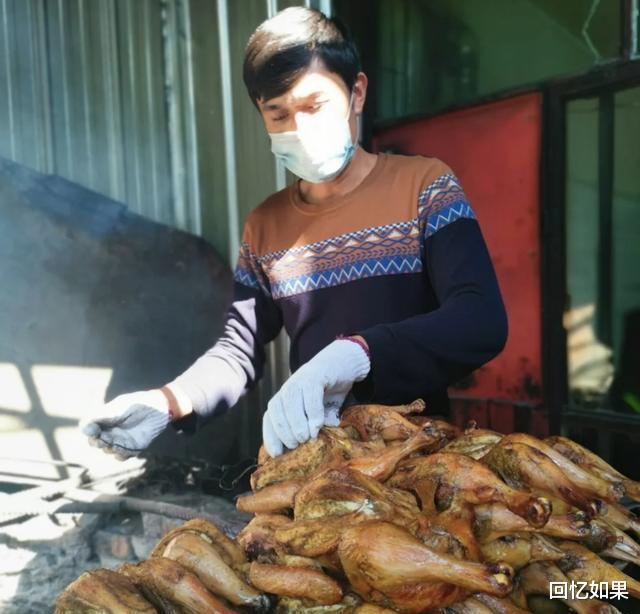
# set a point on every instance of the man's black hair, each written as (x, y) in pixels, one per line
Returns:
(282, 49)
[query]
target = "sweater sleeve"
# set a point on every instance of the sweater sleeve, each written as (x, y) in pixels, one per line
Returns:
(426, 353)
(216, 381)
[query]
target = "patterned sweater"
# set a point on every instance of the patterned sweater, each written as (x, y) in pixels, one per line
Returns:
(400, 261)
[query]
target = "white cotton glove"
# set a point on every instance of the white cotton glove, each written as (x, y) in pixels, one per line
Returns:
(313, 396)
(128, 424)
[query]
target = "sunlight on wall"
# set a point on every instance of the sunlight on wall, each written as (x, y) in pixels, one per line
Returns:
(590, 361)
(34, 431)
(13, 393)
(25, 444)
(70, 391)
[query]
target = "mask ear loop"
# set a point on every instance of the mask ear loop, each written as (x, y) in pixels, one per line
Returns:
(354, 143)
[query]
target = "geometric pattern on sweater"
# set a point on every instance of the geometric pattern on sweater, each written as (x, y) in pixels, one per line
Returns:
(373, 267)
(441, 203)
(390, 249)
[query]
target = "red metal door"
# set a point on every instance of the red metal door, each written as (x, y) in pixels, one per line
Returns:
(494, 149)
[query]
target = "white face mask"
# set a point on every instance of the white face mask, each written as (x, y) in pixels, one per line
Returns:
(319, 149)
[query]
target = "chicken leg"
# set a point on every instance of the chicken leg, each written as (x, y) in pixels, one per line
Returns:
(494, 520)
(582, 565)
(386, 565)
(459, 475)
(270, 499)
(230, 551)
(535, 579)
(587, 482)
(469, 606)
(520, 549)
(522, 466)
(201, 558)
(499, 605)
(593, 464)
(296, 582)
(172, 588)
(621, 518)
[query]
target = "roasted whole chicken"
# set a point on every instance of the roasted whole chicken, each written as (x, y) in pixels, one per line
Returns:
(438, 477)
(394, 511)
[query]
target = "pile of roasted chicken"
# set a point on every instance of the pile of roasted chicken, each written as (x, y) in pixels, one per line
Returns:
(395, 511)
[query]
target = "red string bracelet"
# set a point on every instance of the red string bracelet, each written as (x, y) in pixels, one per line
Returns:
(362, 344)
(172, 402)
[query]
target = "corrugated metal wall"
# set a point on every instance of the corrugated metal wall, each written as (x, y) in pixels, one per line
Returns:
(143, 100)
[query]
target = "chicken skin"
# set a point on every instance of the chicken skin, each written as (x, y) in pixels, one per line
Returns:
(461, 476)
(592, 463)
(172, 588)
(525, 467)
(105, 591)
(388, 566)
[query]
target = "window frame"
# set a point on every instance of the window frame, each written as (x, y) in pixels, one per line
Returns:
(602, 82)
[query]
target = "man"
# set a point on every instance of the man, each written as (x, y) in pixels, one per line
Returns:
(374, 264)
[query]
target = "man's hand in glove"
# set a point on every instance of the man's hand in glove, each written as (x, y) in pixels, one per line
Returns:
(313, 395)
(129, 423)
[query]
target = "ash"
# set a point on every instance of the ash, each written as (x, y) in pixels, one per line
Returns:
(40, 554)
